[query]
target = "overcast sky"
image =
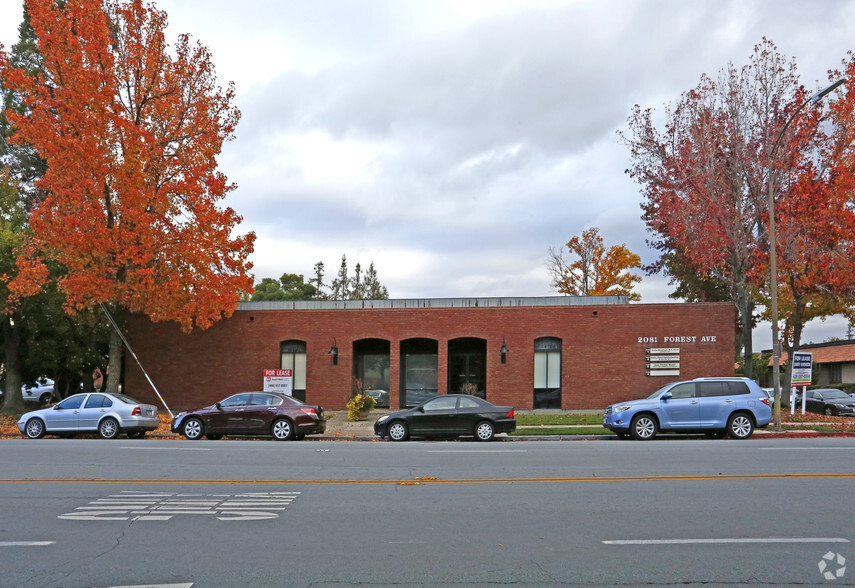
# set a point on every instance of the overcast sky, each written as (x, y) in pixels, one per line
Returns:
(453, 142)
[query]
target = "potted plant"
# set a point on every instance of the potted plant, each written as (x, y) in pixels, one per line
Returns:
(360, 403)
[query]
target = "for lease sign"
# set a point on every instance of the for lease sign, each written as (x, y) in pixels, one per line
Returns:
(279, 381)
(802, 363)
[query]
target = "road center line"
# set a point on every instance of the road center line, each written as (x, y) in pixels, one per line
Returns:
(25, 543)
(727, 540)
(426, 481)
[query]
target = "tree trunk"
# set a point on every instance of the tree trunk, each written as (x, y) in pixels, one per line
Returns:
(13, 402)
(745, 308)
(114, 368)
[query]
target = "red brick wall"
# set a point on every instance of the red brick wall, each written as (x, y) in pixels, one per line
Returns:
(603, 349)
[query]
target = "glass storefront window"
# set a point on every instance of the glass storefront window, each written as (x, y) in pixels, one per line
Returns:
(420, 378)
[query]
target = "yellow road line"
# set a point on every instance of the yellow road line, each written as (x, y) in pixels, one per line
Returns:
(425, 481)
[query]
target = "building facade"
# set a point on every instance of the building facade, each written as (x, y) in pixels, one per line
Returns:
(557, 352)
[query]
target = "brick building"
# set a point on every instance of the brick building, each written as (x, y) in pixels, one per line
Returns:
(552, 352)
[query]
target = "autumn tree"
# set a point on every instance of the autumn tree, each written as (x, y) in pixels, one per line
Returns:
(593, 270)
(130, 128)
(704, 175)
(815, 237)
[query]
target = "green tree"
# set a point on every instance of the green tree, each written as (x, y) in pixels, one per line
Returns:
(24, 163)
(287, 287)
(340, 287)
(372, 288)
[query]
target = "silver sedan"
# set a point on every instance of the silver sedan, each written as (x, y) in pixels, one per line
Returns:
(107, 414)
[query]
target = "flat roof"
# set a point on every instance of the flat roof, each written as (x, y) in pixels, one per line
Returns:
(485, 302)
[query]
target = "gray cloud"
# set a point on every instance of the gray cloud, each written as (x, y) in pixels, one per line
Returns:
(454, 149)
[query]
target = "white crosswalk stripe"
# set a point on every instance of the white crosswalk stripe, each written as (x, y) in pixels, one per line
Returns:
(163, 506)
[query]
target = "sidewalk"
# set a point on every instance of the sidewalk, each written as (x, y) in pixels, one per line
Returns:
(339, 428)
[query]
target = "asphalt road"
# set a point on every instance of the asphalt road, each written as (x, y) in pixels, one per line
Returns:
(87, 513)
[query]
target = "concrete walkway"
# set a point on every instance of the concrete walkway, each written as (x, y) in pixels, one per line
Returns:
(339, 428)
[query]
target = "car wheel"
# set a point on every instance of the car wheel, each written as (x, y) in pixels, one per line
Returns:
(484, 431)
(108, 428)
(214, 437)
(740, 426)
(193, 428)
(45, 398)
(398, 431)
(136, 434)
(829, 411)
(643, 427)
(282, 430)
(35, 429)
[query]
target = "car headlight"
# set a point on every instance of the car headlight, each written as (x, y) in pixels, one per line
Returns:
(383, 419)
(623, 407)
(842, 407)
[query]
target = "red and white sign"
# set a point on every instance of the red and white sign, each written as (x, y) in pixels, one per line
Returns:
(279, 381)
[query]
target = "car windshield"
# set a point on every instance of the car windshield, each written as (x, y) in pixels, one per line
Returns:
(832, 394)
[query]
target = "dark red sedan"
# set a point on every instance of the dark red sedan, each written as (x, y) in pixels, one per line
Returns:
(271, 414)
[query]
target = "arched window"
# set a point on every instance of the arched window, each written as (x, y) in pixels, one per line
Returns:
(547, 372)
(293, 354)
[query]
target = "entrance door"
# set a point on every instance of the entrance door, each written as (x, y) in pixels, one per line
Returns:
(467, 367)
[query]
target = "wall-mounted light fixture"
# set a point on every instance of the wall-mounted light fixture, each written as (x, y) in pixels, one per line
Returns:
(334, 352)
(504, 351)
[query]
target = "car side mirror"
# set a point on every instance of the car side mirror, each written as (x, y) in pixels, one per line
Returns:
(421, 409)
(666, 396)
(56, 407)
(219, 406)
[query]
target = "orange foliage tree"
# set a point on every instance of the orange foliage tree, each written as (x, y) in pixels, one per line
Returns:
(130, 128)
(815, 215)
(595, 270)
(705, 179)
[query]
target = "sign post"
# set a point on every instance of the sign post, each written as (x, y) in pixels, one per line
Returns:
(802, 370)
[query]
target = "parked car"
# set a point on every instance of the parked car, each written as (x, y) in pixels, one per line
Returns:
(828, 401)
(109, 415)
(272, 414)
(39, 390)
(716, 406)
(448, 415)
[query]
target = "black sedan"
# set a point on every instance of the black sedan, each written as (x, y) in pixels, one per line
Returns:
(271, 414)
(449, 415)
(828, 401)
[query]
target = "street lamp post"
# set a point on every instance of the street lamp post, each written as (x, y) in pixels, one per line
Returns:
(773, 269)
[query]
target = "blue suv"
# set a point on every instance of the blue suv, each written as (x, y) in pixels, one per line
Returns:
(715, 406)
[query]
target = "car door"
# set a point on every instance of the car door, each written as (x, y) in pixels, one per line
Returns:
(814, 402)
(227, 417)
(64, 416)
(469, 413)
(437, 417)
(716, 402)
(682, 409)
(258, 415)
(95, 407)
